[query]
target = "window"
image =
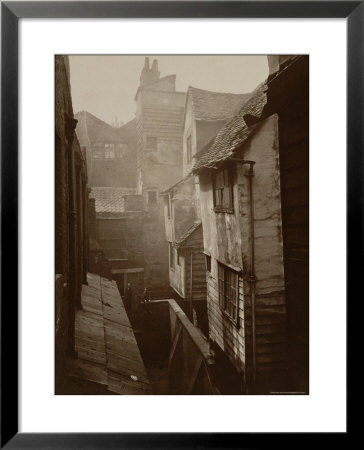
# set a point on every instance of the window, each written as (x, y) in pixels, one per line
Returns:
(228, 291)
(152, 197)
(223, 191)
(98, 150)
(178, 257)
(109, 151)
(208, 262)
(171, 256)
(189, 149)
(122, 150)
(167, 200)
(151, 143)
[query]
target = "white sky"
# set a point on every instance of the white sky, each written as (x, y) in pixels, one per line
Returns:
(105, 85)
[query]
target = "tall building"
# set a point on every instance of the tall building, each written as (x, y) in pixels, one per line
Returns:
(159, 123)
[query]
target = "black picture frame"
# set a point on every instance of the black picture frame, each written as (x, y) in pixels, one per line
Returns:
(11, 12)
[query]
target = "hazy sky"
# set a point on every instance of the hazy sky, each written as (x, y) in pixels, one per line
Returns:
(106, 85)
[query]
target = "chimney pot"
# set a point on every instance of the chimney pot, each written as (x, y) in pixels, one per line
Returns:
(155, 65)
(146, 63)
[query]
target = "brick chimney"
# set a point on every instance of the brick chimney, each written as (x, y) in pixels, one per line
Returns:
(149, 75)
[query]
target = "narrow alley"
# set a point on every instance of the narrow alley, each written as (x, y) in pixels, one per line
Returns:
(182, 212)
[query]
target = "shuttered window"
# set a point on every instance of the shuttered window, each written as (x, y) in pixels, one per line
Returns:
(223, 191)
(228, 291)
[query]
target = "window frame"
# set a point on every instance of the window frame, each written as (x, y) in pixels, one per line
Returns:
(226, 287)
(225, 185)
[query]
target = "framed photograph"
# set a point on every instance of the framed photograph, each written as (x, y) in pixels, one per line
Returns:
(178, 215)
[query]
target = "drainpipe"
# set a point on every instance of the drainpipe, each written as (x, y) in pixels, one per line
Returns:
(252, 279)
(191, 285)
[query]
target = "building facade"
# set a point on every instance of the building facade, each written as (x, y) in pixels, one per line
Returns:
(254, 211)
(159, 119)
(205, 114)
(110, 151)
(71, 221)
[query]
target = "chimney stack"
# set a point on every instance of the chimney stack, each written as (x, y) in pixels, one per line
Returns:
(155, 65)
(149, 75)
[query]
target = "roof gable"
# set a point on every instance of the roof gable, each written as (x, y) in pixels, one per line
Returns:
(234, 133)
(208, 105)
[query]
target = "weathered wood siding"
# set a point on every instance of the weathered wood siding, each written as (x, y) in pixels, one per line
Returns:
(159, 115)
(177, 274)
(227, 239)
(195, 242)
(270, 304)
(294, 162)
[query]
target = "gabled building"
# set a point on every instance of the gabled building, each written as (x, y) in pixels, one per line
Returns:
(205, 113)
(110, 151)
(254, 210)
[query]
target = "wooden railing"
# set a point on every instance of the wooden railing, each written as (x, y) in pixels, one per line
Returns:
(190, 360)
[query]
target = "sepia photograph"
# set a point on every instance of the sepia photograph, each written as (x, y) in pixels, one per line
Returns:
(181, 224)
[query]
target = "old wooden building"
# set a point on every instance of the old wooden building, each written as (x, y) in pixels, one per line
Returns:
(119, 225)
(110, 151)
(254, 210)
(159, 118)
(71, 209)
(205, 113)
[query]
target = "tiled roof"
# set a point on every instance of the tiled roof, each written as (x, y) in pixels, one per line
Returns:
(108, 200)
(209, 105)
(187, 233)
(90, 127)
(234, 133)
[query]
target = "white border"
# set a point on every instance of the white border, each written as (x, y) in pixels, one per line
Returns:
(324, 408)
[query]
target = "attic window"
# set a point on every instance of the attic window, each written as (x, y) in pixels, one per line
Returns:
(223, 191)
(151, 143)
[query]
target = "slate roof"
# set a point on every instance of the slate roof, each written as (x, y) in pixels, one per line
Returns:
(208, 105)
(187, 234)
(234, 133)
(97, 130)
(109, 201)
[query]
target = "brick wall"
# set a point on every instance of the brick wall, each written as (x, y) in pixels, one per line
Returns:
(71, 221)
